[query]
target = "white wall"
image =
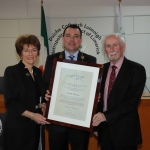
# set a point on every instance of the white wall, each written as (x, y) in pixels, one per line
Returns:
(19, 17)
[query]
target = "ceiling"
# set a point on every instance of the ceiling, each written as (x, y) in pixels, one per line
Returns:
(98, 2)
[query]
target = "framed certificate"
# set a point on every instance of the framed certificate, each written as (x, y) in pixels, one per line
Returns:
(74, 88)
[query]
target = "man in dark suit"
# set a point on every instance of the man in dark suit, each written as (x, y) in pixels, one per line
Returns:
(117, 117)
(59, 136)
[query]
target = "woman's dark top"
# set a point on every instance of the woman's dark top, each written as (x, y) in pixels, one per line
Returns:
(21, 93)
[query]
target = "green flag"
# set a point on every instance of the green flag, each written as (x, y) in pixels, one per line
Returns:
(44, 41)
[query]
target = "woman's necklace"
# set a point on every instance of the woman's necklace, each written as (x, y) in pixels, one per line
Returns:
(31, 71)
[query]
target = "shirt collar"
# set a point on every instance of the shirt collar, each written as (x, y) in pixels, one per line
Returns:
(22, 65)
(75, 55)
(118, 63)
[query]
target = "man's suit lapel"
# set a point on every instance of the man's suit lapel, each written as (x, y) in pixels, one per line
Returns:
(79, 56)
(105, 71)
(63, 53)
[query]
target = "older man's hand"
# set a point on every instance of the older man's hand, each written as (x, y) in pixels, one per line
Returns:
(98, 118)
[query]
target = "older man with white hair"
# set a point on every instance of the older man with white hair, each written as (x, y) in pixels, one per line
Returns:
(122, 85)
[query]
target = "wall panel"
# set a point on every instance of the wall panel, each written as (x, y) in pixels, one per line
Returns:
(141, 24)
(13, 9)
(9, 28)
(8, 54)
(30, 26)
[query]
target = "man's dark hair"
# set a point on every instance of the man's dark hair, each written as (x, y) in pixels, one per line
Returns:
(74, 26)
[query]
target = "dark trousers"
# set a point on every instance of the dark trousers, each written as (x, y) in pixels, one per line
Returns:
(59, 137)
(107, 144)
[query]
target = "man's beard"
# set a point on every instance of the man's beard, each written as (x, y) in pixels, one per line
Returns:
(113, 58)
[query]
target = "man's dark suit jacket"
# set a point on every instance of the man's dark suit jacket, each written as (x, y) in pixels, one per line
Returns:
(48, 71)
(122, 113)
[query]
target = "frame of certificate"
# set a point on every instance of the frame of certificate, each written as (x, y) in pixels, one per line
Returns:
(75, 89)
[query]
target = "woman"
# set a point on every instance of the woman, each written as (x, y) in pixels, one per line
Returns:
(22, 93)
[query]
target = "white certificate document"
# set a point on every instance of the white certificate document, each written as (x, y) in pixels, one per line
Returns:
(73, 94)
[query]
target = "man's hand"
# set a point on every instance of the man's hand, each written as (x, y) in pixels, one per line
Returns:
(98, 118)
(47, 95)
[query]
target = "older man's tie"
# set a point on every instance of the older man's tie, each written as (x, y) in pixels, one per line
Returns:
(111, 80)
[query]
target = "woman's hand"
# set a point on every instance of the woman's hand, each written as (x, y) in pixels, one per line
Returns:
(43, 108)
(39, 119)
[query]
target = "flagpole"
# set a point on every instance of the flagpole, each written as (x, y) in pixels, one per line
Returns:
(41, 8)
(119, 2)
(121, 23)
(40, 140)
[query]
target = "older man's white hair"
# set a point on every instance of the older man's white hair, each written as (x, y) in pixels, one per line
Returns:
(122, 40)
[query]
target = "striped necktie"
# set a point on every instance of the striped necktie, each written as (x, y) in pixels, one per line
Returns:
(111, 80)
(71, 57)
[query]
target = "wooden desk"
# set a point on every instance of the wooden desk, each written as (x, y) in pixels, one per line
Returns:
(144, 114)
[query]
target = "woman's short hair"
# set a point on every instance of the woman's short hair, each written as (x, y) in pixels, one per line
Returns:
(29, 40)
